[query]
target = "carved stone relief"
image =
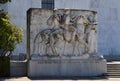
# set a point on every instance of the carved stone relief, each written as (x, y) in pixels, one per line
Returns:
(69, 33)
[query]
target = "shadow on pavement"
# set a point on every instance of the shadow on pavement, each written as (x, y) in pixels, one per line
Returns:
(68, 78)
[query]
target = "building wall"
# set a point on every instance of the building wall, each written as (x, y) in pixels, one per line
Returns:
(72, 4)
(109, 27)
(108, 20)
(18, 11)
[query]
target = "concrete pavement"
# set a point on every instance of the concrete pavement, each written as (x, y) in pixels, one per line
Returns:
(27, 79)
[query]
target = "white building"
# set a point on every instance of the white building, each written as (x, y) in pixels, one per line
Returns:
(108, 20)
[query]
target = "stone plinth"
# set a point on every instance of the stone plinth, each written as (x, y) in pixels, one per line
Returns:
(66, 67)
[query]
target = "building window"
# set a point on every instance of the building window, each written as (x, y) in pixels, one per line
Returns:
(48, 4)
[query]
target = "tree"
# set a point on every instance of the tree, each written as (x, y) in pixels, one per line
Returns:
(10, 35)
(4, 1)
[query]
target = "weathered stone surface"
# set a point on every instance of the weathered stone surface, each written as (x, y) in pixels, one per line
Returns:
(62, 32)
(63, 43)
(66, 67)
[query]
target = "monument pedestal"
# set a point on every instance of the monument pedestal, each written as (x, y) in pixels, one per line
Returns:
(68, 34)
(66, 67)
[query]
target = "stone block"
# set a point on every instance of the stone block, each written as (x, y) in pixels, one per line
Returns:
(66, 67)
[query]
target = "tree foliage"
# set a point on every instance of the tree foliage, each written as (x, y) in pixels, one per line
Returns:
(10, 35)
(4, 1)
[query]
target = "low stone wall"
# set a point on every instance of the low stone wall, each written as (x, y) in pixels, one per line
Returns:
(112, 57)
(20, 57)
(18, 68)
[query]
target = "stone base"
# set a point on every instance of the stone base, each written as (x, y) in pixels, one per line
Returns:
(66, 67)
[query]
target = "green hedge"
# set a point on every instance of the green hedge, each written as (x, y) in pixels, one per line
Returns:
(4, 66)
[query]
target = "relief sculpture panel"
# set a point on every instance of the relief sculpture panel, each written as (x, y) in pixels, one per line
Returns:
(63, 32)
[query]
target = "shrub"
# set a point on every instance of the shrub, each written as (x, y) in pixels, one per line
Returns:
(10, 35)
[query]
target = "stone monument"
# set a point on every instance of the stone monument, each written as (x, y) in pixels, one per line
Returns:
(63, 43)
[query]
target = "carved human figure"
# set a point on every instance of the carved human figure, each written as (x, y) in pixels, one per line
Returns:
(90, 34)
(79, 23)
(51, 36)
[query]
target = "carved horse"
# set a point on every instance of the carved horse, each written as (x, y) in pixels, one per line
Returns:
(65, 28)
(50, 36)
(79, 24)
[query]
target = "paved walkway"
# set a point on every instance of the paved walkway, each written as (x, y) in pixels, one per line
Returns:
(27, 79)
